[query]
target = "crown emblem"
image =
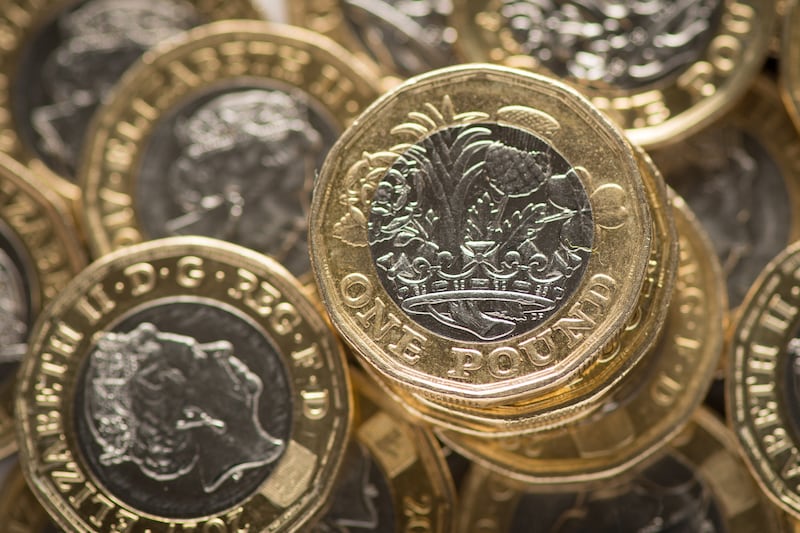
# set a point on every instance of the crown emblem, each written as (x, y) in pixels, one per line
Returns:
(479, 230)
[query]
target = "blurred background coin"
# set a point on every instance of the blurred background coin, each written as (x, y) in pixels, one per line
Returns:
(60, 59)
(661, 69)
(205, 137)
(698, 484)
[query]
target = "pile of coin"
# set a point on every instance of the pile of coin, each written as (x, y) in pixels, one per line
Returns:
(402, 265)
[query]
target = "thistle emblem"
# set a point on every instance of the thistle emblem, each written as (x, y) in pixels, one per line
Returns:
(480, 230)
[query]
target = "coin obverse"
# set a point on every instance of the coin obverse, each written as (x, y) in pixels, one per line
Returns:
(763, 388)
(698, 484)
(480, 232)
(205, 137)
(660, 69)
(60, 60)
(183, 383)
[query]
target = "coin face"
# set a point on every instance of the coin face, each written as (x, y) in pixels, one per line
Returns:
(762, 384)
(393, 477)
(65, 57)
(658, 68)
(648, 407)
(227, 149)
(465, 215)
(689, 487)
(179, 408)
(403, 37)
(590, 388)
(39, 254)
(742, 181)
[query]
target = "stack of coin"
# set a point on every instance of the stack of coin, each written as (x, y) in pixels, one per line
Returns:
(339, 278)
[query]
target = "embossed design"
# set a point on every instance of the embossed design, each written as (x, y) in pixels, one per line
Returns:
(101, 39)
(13, 329)
(244, 173)
(169, 404)
(625, 43)
(479, 231)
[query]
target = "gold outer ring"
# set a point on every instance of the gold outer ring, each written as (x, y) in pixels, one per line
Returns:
(416, 358)
(170, 74)
(180, 268)
(41, 224)
(622, 355)
(657, 399)
(489, 500)
(19, 20)
(660, 113)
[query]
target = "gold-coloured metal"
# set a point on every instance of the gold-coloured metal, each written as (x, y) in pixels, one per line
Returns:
(39, 245)
(687, 79)
(24, 25)
(698, 483)
(394, 477)
(441, 360)
(224, 56)
(589, 390)
(194, 372)
(762, 384)
(790, 59)
(649, 407)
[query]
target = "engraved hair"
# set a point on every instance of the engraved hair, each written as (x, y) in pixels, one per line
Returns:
(139, 410)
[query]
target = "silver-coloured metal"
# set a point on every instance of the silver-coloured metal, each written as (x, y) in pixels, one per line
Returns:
(624, 43)
(236, 164)
(480, 232)
(73, 63)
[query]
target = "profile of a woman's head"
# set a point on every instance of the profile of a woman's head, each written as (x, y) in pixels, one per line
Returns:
(169, 404)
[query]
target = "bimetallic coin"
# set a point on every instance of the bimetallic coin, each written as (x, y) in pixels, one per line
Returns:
(394, 476)
(399, 37)
(60, 60)
(650, 406)
(480, 232)
(205, 137)
(620, 356)
(183, 383)
(40, 252)
(742, 179)
(697, 485)
(661, 69)
(763, 388)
